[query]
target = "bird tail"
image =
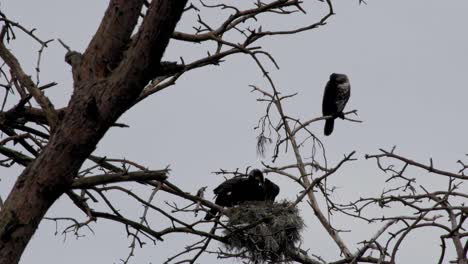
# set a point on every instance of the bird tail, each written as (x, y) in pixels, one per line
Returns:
(329, 123)
(209, 215)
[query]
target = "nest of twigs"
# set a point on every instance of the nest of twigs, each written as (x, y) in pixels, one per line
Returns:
(263, 232)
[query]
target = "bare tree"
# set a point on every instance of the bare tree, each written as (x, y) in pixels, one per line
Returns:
(121, 68)
(108, 78)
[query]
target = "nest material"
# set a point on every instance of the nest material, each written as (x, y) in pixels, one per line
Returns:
(264, 231)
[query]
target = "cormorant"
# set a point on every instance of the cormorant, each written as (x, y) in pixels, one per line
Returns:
(271, 190)
(241, 189)
(335, 97)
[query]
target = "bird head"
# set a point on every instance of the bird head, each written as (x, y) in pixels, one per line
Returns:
(339, 78)
(257, 175)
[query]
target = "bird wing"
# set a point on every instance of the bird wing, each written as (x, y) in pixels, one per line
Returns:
(342, 96)
(329, 95)
(229, 185)
(271, 190)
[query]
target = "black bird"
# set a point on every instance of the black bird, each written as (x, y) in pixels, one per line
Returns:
(271, 190)
(335, 97)
(241, 189)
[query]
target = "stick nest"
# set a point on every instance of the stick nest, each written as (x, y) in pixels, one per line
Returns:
(264, 232)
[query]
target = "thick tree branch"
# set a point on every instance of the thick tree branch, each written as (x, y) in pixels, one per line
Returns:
(106, 49)
(142, 60)
(94, 107)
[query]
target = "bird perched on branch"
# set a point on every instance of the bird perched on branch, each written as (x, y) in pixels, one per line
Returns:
(335, 97)
(242, 189)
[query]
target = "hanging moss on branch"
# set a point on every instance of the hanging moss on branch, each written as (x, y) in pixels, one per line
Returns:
(264, 232)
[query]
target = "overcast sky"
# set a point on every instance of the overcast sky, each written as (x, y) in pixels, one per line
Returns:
(407, 62)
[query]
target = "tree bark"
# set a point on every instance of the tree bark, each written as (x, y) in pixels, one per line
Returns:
(113, 72)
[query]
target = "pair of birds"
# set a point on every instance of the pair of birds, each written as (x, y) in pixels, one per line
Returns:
(242, 189)
(255, 187)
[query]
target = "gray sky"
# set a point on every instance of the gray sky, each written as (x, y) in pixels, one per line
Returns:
(407, 62)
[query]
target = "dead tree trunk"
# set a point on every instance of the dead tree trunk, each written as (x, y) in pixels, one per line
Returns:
(107, 80)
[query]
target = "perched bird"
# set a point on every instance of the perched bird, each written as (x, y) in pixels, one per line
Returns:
(335, 97)
(271, 190)
(241, 189)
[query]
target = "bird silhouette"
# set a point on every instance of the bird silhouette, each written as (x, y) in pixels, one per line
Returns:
(335, 97)
(241, 189)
